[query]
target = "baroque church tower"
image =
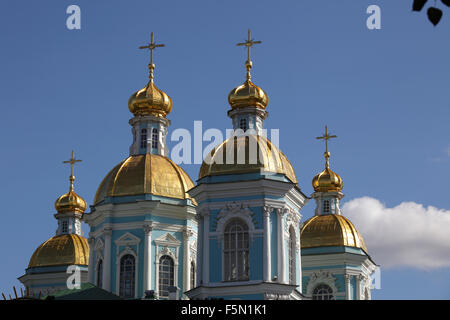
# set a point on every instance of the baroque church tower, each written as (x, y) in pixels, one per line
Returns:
(335, 260)
(47, 271)
(248, 209)
(142, 225)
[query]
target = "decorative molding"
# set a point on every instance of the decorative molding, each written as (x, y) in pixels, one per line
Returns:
(167, 240)
(127, 239)
(276, 296)
(231, 211)
(148, 228)
(321, 277)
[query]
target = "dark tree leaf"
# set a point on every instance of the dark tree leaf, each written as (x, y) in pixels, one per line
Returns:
(418, 4)
(446, 2)
(434, 15)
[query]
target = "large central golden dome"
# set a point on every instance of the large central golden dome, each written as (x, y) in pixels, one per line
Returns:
(270, 158)
(330, 230)
(65, 249)
(145, 174)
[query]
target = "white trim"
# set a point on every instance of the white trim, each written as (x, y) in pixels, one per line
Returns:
(321, 277)
(234, 210)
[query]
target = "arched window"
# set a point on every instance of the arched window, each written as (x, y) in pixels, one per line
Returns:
(144, 138)
(326, 206)
(236, 251)
(166, 275)
(127, 276)
(100, 273)
(243, 124)
(155, 138)
(192, 275)
(323, 292)
(292, 257)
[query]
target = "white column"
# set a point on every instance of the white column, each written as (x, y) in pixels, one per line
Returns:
(267, 268)
(205, 247)
(347, 286)
(107, 259)
(359, 278)
(147, 257)
(187, 260)
(199, 266)
(281, 255)
(91, 260)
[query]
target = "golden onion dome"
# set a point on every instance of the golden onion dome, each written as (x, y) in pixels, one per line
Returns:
(330, 230)
(327, 181)
(150, 101)
(70, 202)
(65, 249)
(145, 174)
(269, 158)
(248, 95)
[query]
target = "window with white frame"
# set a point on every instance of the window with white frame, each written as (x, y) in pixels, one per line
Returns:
(155, 138)
(236, 251)
(326, 206)
(127, 276)
(292, 257)
(166, 275)
(144, 138)
(100, 273)
(323, 292)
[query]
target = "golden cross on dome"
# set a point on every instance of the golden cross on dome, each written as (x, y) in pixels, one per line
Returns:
(248, 43)
(72, 162)
(326, 137)
(151, 46)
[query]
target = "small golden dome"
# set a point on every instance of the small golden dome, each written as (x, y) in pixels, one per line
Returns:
(65, 249)
(270, 158)
(70, 202)
(150, 101)
(145, 174)
(327, 181)
(248, 95)
(330, 230)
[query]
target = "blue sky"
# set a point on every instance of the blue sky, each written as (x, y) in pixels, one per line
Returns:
(383, 92)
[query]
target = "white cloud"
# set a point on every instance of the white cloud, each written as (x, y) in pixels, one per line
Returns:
(408, 235)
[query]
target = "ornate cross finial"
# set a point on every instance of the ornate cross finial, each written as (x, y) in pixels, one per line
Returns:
(248, 43)
(151, 46)
(326, 137)
(72, 162)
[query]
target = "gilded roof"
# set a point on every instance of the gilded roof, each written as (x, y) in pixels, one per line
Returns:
(330, 230)
(268, 158)
(145, 174)
(65, 249)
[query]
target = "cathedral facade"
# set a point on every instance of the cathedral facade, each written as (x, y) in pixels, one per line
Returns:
(235, 234)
